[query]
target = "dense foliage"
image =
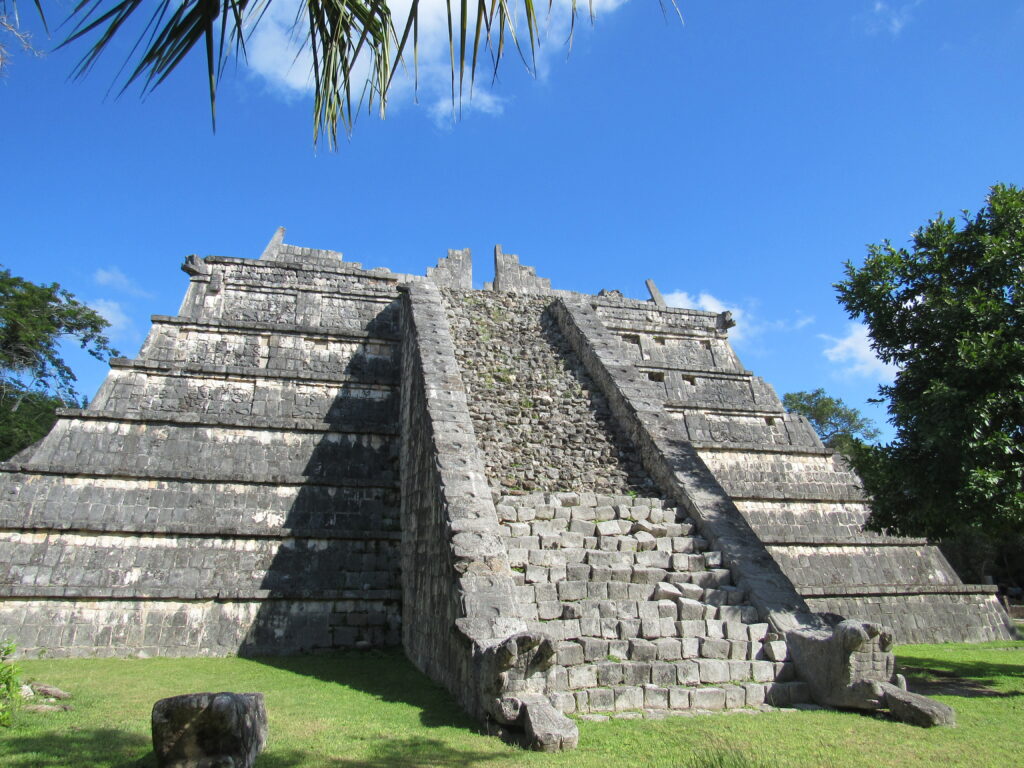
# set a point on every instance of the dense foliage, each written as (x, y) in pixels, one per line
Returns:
(10, 689)
(25, 417)
(838, 425)
(948, 313)
(34, 379)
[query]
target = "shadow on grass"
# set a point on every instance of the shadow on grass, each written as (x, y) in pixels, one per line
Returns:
(968, 678)
(85, 748)
(388, 675)
(393, 753)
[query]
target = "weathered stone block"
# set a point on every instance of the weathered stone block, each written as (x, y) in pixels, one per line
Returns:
(776, 650)
(688, 673)
(679, 698)
(711, 648)
(655, 697)
(601, 699)
(708, 698)
(754, 694)
(204, 729)
(735, 696)
(628, 697)
(713, 671)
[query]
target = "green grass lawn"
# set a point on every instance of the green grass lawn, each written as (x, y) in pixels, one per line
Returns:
(371, 710)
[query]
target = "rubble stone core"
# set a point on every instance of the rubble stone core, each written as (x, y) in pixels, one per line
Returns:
(557, 503)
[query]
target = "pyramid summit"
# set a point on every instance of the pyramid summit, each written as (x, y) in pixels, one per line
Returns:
(555, 502)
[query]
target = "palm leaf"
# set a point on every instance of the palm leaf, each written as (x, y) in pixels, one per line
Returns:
(338, 33)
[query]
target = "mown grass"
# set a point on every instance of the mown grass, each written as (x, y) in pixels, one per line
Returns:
(371, 710)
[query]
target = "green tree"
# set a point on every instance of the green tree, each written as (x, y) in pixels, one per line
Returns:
(948, 313)
(34, 379)
(839, 426)
(338, 33)
(25, 417)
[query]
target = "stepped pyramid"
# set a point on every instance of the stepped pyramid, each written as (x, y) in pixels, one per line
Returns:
(584, 501)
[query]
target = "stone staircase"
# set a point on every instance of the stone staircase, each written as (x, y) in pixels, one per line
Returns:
(643, 614)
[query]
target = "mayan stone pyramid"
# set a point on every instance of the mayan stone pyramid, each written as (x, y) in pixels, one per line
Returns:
(311, 456)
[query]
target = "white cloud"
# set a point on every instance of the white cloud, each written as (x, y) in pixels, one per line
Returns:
(891, 17)
(274, 49)
(116, 279)
(122, 327)
(710, 303)
(854, 354)
(802, 322)
(276, 53)
(748, 324)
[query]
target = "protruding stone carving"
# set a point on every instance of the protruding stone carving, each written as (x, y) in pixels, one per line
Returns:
(194, 265)
(453, 271)
(514, 687)
(656, 297)
(724, 321)
(274, 245)
(202, 730)
(510, 275)
(852, 665)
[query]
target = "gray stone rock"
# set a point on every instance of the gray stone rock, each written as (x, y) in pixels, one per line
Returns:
(206, 730)
(545, 728)
(852, 665)
(50, 691)
(916, 709)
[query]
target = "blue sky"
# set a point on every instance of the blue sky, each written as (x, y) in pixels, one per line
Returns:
(738, 159)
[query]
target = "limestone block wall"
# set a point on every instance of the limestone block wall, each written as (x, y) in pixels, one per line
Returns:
(673, 461)
(313, 455)
(510, 275)
(638, 607)
(542, 423)
(457, 590)
(801, 502)
(453, 271)
(234, 489)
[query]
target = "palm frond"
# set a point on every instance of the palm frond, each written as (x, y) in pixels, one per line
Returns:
(338, 33)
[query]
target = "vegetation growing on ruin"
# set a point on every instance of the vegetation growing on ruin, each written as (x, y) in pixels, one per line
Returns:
(373, 710)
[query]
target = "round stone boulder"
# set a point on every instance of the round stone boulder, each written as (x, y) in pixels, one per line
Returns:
(209, 730)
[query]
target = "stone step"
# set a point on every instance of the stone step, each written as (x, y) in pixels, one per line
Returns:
(715, 579)
(682, 611)
(611, 558)
(607, 589)
(517, 537)
(584, 499)
(652, 700)
(524, 513)
(627, 629)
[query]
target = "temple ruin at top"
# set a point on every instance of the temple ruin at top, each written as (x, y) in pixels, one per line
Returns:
(311, 456)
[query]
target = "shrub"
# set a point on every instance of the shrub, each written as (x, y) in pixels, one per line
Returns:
(10, 689)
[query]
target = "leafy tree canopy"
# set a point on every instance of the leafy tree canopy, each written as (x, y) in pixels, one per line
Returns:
(948, 313)
(34, 379)
(838, 425)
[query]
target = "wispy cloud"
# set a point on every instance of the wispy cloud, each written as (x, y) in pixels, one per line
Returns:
(122, 327)
(891, 17)
(748, 324)
(854, 356)
(276, 53)
(119, 281)
(710, 303)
